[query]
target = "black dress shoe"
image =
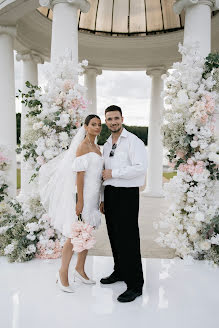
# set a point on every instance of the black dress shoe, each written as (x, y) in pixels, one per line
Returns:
(110, 280)
(129, 295)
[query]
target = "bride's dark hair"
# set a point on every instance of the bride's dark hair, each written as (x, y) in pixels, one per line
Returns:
(89, 117)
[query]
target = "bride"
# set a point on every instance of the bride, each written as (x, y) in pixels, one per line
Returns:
(78, 169)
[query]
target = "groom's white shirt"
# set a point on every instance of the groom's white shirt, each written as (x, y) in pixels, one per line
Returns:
(129, 163)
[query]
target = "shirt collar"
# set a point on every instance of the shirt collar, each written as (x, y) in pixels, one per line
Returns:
(123, 134)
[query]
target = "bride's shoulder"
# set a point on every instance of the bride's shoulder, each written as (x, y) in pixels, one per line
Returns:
(82, 149)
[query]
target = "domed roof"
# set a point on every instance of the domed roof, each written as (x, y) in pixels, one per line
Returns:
(127, 17)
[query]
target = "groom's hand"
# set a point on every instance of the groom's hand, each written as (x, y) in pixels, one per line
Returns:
(102, 208)
(107, 174)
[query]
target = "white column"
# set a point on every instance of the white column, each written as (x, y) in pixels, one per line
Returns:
(155, 147)
(197, 22)
(65, 26)
(90, 80)
(29, 73)
(7, 96)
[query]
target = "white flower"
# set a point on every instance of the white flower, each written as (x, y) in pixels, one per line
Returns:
(48, 154)
(215, 240)
(38, 125)
(31, 249)
(64, 120)
(205, 245)
(194, 143)
(9, 249)
(30, 236)
(63, 136)
(31, 227)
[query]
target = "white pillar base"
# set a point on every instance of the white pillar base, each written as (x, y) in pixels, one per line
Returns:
(155, 194)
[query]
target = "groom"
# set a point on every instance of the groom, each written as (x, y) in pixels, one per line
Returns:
(125, 168)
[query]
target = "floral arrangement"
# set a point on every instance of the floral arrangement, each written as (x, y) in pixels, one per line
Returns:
(53, 116)
(25, 231)
(82, 236)
(191, 101)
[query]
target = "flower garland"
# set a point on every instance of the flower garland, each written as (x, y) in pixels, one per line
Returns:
(53, 116)
(191, 100)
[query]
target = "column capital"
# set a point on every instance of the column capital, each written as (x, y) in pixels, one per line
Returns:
(83, 5)
(30, 56)
(9, 30)
(179, 5)
(156, 70)
(93, 70)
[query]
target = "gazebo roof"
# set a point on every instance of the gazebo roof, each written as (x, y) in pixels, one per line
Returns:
(127, 17)
(114, 34)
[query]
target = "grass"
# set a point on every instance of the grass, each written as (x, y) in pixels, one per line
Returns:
(169, 175)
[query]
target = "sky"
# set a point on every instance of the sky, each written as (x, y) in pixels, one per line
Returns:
(130, 90)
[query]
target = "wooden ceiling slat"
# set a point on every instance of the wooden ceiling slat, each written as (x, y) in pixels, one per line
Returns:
(43, 10)
(171, 20)
(137, 16)
(104, 16)
(120, 16)
(154, 15)
(182, 16)
(50, 14)
(88, 20)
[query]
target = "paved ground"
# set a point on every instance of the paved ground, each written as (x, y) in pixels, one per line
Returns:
(150, 209)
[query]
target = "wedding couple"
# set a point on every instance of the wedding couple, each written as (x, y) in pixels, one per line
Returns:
(114, 178)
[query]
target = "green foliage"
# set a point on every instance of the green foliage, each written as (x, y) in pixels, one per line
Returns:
(29, 99)
(212, 61)
(140, 131)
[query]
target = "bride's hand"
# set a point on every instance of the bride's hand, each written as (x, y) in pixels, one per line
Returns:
(79, 207)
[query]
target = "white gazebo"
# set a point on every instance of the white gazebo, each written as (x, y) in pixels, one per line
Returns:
(111, 35)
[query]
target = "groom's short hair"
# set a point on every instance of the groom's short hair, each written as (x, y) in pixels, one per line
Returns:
(113, 108)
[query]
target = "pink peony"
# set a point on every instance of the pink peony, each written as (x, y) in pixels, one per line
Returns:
(189, 161)
(180, 154)
(50, 232)
(82, 237)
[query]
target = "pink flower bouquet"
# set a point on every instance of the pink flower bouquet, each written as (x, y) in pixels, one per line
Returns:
(82, 236)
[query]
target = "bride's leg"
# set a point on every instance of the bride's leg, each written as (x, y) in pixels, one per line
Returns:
(80, 264)
(66, 258)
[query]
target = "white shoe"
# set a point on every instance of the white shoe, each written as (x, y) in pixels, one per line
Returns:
(67, 289)
(85, 281)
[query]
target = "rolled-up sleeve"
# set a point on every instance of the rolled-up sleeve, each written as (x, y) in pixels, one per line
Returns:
(138, 157)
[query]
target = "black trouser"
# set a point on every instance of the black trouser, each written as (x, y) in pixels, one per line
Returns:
(121, 210)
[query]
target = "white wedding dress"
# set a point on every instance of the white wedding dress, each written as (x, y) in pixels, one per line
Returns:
(58, 188)
(92, 164)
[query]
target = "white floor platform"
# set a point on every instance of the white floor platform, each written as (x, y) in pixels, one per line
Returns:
(175, 296)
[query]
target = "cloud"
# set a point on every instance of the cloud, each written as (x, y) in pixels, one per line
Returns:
(129, 90)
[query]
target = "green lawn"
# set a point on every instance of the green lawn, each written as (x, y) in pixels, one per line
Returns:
(169, 175)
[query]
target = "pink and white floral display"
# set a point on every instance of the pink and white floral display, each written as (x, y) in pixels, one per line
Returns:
(191, 226)
(53, 116)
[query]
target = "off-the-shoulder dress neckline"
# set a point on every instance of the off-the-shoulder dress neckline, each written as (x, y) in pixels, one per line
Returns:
(89, 153)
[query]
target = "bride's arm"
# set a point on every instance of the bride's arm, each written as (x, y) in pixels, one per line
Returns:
(80, 189)
(82, 149)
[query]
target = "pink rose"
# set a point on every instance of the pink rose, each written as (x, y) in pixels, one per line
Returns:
(190, 161)
(180, 154)
(50, 232)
